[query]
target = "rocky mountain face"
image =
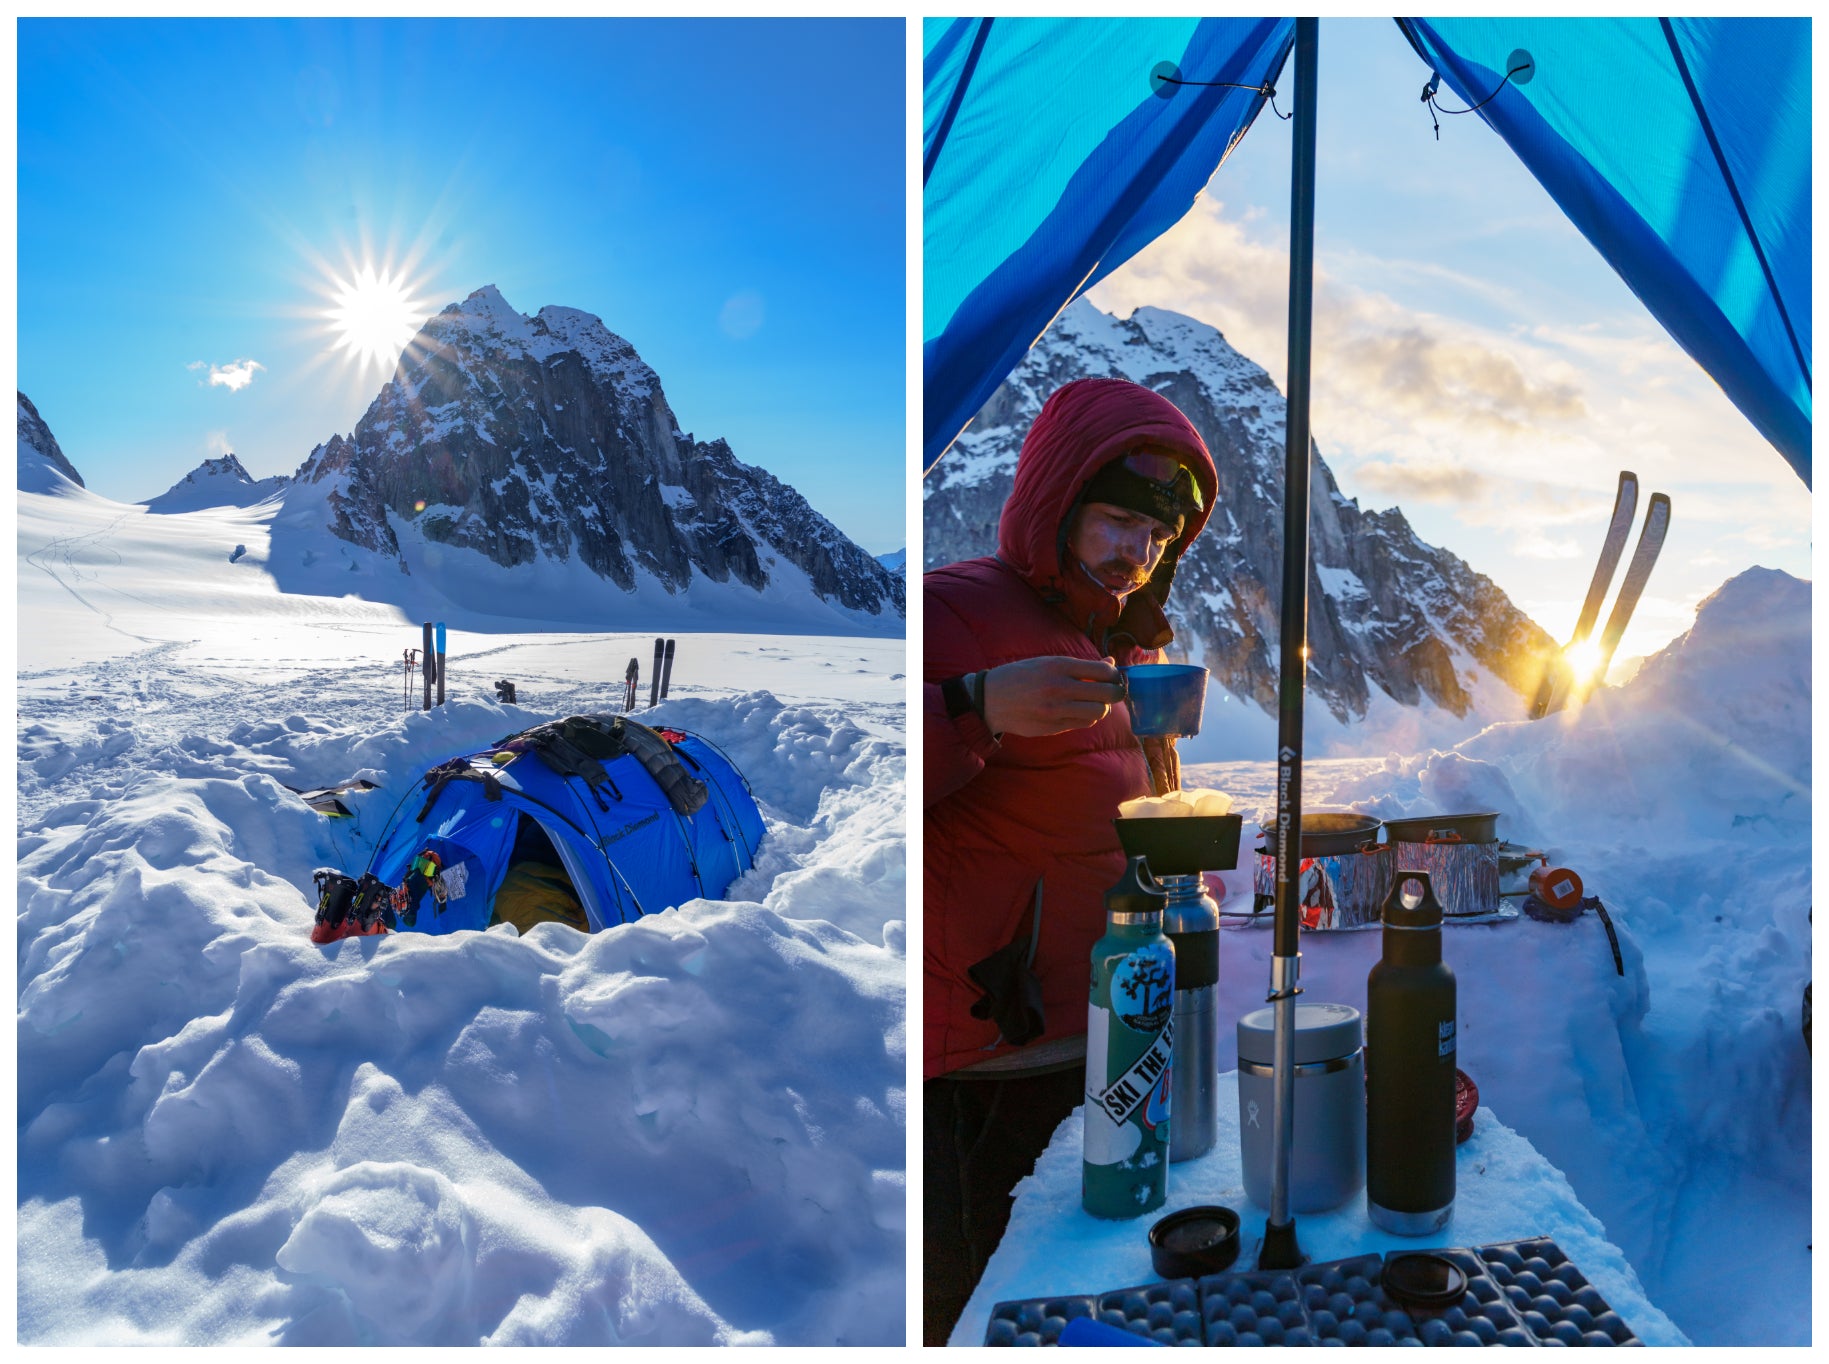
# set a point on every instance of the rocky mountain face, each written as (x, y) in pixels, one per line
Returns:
(41, 463)
(520, 437)
(1386, 611)
(220, 482)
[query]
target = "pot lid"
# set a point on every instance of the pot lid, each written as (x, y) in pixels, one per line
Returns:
(1323, 1031)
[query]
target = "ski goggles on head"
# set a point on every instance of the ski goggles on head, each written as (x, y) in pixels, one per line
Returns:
(1149, 481)
(1168, 474)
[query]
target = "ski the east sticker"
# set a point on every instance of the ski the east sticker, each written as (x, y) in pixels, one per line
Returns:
(1124, 1095)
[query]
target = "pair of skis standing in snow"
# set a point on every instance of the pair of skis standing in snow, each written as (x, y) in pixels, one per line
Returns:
(658, 681)
(1559, 680)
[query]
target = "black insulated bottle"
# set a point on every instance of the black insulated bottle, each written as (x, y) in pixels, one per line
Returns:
(1409, 1065)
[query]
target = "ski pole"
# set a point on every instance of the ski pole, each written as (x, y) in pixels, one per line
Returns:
(1281, 1249)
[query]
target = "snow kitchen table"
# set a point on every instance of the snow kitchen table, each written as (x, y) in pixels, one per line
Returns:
(1505, 1191)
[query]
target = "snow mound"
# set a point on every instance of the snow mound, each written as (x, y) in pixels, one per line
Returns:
(1673, 1090)
(689, 1129)
(1711, 736)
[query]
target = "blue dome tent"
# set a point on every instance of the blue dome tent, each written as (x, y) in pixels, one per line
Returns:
(636, 820)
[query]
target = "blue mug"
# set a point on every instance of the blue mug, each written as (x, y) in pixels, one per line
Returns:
(1165, 698)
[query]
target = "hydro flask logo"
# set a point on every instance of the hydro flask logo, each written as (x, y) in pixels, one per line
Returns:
(1444, 1038)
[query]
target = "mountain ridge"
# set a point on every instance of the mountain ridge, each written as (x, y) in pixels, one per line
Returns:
(43, 467)
(548, 436)
(219, 482)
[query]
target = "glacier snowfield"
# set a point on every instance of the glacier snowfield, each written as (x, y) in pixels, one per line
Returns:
(690, 1129)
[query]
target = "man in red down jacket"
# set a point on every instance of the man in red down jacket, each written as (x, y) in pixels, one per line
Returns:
(1028, 754)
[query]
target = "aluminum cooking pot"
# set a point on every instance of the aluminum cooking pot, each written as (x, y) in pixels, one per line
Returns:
(1327, 833)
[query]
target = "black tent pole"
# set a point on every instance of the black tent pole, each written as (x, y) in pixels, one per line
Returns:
(1281, 1250)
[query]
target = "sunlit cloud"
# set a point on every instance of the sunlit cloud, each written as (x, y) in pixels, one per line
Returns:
(1540, 546)
(1422, 482)
(1499, 421)
(1421, 370)
(1402, 384)
(234, 376)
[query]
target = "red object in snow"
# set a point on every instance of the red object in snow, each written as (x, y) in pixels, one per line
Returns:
(349, 928)
(1557, 887)
(1466, 1099)
(672, 736)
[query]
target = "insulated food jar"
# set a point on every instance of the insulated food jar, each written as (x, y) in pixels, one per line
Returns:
(1327, 1154)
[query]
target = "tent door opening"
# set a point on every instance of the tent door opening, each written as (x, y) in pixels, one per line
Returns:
(539, 886)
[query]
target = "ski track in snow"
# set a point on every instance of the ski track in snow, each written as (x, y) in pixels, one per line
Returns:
(65, 550)
(687, 1129)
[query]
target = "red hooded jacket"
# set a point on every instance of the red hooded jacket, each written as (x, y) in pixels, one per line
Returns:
(1003, 815)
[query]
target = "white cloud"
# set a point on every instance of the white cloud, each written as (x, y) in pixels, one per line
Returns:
(234, 376)
(1563, 403)
(1500, 420)
(1422, 482)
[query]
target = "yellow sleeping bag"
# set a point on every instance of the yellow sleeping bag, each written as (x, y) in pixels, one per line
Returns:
(536, 893)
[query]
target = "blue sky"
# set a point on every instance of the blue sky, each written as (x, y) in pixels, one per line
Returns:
(1476, 361)
(727, 195)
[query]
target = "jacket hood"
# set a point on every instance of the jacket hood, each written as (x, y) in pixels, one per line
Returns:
(1083, 426)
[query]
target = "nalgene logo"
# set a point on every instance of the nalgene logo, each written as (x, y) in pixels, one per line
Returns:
(1444, 1038)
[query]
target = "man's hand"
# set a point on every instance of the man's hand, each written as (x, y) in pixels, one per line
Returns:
(1038, 696)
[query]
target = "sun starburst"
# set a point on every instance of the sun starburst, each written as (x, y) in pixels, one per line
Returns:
(373, 315)
(1584, 660)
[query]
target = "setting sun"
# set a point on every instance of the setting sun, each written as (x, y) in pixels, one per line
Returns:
(1584, 659)
(374, 315)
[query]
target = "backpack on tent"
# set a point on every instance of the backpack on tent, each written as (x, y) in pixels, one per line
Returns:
(591, 820)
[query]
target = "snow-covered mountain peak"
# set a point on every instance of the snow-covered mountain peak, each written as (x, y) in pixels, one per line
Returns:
(546, 442)
(486, 310)
(224, 467)
(1151, 339)
(42, 466)
(610, 357)
(487, 322)
(219, 482)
